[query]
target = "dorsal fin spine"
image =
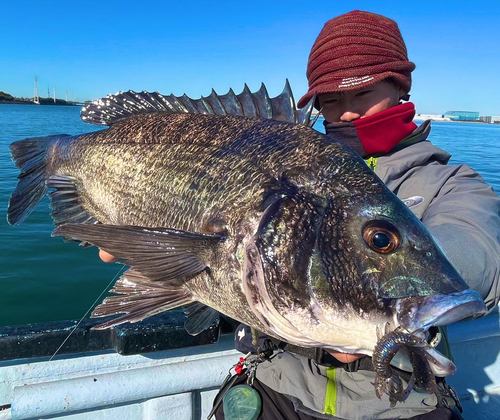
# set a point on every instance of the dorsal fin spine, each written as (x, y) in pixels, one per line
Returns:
(258, 104)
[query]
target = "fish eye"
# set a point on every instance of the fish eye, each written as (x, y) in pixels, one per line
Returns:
(381, 236)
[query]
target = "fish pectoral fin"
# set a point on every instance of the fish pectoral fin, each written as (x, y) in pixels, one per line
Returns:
(199, 317)
(159, 254)
(65, 202)
(138, 298)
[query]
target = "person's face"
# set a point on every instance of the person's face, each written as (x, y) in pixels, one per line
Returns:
(359, 103)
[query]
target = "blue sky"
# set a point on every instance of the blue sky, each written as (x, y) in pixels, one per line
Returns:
(92, 48)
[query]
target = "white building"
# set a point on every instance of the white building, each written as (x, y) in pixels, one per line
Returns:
(433, 117)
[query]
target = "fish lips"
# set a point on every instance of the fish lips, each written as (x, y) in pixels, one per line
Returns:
(419, 313)
(422, 312)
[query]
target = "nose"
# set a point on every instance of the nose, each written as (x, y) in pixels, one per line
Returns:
(349, 109)
(348, 116)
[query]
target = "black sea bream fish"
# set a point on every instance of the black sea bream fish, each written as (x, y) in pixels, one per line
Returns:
(269, 222)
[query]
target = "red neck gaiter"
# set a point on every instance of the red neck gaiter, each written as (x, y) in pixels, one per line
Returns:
(378, 133)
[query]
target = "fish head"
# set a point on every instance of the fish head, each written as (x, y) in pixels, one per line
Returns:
(391, 249)
(329, 271)
(397, 271)
(402, 264)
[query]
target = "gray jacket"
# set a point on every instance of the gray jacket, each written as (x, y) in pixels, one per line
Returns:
(462, 213)
(459, 209)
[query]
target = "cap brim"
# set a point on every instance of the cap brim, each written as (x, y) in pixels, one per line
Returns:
(346, 84)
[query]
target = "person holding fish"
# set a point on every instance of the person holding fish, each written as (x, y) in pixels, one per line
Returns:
(360, 73)
(359, 70)
(233, 204)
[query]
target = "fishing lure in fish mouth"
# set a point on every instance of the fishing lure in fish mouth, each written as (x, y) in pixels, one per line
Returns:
(387, 381)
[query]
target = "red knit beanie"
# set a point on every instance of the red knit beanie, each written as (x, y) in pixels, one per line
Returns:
(355, 50)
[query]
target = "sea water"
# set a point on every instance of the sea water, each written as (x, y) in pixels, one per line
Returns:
(44, 279)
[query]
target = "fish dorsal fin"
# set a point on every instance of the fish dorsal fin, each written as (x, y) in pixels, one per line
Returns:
(259, 104)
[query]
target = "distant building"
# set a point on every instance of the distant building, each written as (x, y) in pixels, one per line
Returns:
(462, 115)
(432, 117)
(495, 120)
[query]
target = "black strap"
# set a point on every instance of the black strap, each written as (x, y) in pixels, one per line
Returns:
(323, 358)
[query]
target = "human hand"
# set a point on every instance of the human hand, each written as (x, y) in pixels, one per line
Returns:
(107, 258)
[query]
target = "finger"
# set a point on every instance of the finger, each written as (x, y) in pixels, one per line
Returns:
(107, 258)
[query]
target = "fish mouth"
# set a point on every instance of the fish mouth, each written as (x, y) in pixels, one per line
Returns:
(423, 312)
(418, 314)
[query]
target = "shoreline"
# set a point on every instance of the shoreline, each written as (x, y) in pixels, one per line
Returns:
(17, 102)
(41, 104)
(453, 121)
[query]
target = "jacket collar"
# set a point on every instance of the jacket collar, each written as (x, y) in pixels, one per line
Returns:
(414, 151)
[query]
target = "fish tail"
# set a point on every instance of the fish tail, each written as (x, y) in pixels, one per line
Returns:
(29, 155)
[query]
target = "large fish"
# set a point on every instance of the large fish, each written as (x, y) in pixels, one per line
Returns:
(269, 222)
